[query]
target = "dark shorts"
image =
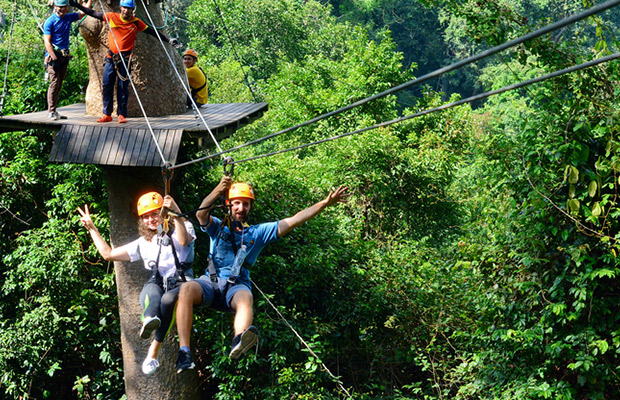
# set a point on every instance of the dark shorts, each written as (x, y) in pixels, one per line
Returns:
(219, 300)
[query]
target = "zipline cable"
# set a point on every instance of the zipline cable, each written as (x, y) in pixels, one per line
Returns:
(446, 106)
(183, 82)
(302, 341)
(8, 56)
(487, 53)
(146, 118)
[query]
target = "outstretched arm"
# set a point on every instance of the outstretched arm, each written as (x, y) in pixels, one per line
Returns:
(179, 224)
(152, 32)
(286, 225)
(87, 10)
(107, 252)
(204, 216)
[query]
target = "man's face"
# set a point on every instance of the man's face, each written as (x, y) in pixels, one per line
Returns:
(61, 11)
(151, 219)
(240, 209)
(188, 61)
(126, 12)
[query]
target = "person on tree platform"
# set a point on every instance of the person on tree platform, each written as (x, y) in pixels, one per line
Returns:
(117, 66)
(235, 245)
(56, 31)
(196, 78)
(167, 255)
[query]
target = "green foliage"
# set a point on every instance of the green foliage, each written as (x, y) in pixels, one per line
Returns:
(476, 258)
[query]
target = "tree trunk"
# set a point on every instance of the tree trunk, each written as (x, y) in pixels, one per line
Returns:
(125, 186)
(158, 86)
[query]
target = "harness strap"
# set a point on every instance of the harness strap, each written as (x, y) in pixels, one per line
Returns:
(195, 91)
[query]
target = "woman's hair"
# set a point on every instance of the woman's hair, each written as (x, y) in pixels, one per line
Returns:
(147, 233)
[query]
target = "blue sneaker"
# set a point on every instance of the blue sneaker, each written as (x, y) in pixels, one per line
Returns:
(184, 361)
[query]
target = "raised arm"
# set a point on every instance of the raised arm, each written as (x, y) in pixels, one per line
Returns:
(153, 33)
(286, 225)
(87, 5)
(107, 252)
(179, 224)
(87, 10)
(204, 216)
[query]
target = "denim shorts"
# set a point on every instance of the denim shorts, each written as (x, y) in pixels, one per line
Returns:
(221, 299)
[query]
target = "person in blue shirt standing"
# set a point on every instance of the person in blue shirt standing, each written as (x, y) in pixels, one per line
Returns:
(226, 285)
(56, 32)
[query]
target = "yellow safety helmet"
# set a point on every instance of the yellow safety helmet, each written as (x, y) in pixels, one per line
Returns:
(240, 190)
(149, 202)
(191, 52)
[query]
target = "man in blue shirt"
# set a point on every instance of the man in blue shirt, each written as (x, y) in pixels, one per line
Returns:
(56, 32)
(223, 287)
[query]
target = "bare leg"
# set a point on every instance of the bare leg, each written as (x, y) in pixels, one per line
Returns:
(154, 349)
(189, 296)
(243, 305)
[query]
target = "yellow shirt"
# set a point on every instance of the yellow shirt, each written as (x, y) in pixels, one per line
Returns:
(196, 79)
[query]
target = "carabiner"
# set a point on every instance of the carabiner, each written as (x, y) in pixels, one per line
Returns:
(228, 161)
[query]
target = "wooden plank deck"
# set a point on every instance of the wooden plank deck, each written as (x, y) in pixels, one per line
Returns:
(221, 119)
(80, 139)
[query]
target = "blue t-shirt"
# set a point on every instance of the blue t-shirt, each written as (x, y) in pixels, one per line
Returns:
(59, 29)
(255, 237)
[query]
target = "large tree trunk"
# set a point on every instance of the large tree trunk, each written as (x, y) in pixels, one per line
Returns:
(156, 82)
(125, 186)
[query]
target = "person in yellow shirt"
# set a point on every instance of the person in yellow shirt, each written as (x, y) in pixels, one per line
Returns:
(197, 79)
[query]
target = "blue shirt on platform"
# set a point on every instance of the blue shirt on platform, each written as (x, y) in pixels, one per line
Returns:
(255, 237)
(59, 29)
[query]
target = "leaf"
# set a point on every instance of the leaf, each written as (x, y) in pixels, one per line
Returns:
(573, 176)
(596, 209)
(592, 188)
(572, 206)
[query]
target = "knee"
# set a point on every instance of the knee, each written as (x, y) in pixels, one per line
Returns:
(190, 292)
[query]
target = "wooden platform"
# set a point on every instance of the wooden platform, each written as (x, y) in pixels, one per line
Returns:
(80, 139)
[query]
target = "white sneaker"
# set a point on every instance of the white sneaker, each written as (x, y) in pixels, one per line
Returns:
(53, 116)
(148, 326)
(150, 365)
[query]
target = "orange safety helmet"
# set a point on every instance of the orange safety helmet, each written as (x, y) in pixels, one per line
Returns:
(191, 52)
(149, 202)
(240, 190)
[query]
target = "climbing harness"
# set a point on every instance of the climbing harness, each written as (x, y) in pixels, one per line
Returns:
(120, 60)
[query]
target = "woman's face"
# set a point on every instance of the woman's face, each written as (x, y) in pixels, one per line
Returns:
(152, 219)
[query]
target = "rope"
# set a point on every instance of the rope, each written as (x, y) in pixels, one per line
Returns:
(550, 28)
(302, 341)
(146, 118)
(183, 83)
(153, 25)
(36, 17)
(446, 106)
(234, 48)
(8, 56)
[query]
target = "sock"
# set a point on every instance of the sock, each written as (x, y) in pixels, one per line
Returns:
(185, 349)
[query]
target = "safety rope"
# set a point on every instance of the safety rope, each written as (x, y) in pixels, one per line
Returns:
(146, 118)
(302, 341)
(183, 84)
(36, 17)
(445, 106)
(487, 53)
(166, 16)
(8, 56)
(234, 48)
